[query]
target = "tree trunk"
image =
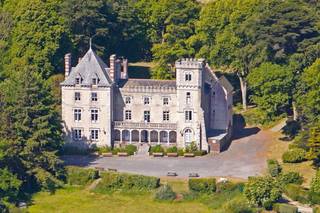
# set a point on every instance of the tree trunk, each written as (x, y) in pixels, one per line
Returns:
(295, 113)
(243, 86)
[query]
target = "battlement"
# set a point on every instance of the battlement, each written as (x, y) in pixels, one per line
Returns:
(190, 63)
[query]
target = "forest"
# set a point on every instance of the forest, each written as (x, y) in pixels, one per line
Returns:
(270, 48)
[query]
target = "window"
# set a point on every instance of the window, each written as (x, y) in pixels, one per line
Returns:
(128, 114)
(165, 116)
(128, 100)
(77, 96)
(188, 77)
(78, 80)
(77, 134)
(146, 116)
(165, 101)
(188, 115)
(188, 97)
(95, 81)
(146, 100)
(94, 115)
(187, 137)
(94, 134)
(77, 114)
(94, 96)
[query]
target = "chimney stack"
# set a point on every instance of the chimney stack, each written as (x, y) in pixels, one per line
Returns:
(125, 68)
(67, 64)
(113, 67)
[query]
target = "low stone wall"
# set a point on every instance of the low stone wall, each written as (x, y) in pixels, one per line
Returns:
(219, 145)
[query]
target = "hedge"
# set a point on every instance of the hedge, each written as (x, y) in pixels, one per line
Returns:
(290, 177)
(80, 176)
(157, 148)
(284, 208)
(203, 185)
(114, 181)
(294, 155)
(130, 149)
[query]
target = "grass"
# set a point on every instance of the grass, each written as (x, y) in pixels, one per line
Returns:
(70, 199)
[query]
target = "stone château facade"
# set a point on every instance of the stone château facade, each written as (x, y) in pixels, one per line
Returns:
(102, 106)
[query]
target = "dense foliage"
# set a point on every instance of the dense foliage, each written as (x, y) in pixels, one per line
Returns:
(204, 185)
(165, 192)
(79, 176)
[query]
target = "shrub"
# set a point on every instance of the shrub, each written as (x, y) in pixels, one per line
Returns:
(290, 177)
(165, 192)
(130, 149)
(285, 208)
(191, 148)
(294, 155)
(200, 153)
(315, 183)
(259, 190)
(180, 152)
(274, 167)
(114, 181)
(297, 193)
(314, 198)
(80, 176)
(103, 149)
(237, 205)
(172, 149)
(204, 185)
(157, 148)
(229, 187)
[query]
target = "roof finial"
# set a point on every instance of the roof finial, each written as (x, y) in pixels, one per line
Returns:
(90, 43)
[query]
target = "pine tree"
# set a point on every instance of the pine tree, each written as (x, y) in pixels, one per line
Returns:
(314, 143)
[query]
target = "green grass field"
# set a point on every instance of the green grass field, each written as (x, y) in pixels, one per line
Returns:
(81, 200)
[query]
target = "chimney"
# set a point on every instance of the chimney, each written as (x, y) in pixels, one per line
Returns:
(113, 67)
(125, 68)
(67, 64)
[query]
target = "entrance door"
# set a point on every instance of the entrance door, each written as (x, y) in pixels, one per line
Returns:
(144, 136)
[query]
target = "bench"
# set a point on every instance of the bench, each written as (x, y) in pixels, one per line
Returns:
(172, 154)
(122, 154)
(157, 154)
(99, 168)
(189, 155)
(193, 175)
(172, 174)
(107, 154)
(112, 170)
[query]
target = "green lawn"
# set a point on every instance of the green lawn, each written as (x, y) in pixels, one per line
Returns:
(80, 200)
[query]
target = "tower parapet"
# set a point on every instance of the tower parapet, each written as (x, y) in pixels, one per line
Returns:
(190, 63)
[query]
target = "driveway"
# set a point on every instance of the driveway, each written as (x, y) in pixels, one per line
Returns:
(245, 157)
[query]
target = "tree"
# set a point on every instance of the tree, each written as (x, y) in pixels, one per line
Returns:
(9, 186)
(34, 136)
(271, 86)
(171, 23)
(260, 190)
(314, 143)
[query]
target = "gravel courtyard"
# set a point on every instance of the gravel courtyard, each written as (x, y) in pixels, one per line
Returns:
(245, 157)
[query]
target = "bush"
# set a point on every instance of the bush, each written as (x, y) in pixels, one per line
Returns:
(172, 149)
(200, 153)
(130, 149)
(259, 190)
(192, 148)
(157, 148)
(285, 208)
(165, 192)
(314, 197)
(229, 187)
(294, 155)
(114, 181)
(274, 167)
(297, 193)
(203, 185)
(103, 149)
(180, 152)
(290, 177)
(80, 176)
(315, 183)
(237, 205)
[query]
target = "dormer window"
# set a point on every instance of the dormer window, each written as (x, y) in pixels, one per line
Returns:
(94, 81)
(78, 80)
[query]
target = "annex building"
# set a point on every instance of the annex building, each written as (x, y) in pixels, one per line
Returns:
(102, 106)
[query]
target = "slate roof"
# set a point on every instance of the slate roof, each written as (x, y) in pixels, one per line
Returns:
(146, 83)
(226, 84)
(90, 66)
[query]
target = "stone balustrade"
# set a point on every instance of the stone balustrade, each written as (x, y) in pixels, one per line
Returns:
(142, 125)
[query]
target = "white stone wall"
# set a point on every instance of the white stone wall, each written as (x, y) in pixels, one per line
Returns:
(85, 104)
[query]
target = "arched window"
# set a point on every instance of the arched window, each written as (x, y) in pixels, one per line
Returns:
(187, 137)
(188, 98)
(188, 77)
